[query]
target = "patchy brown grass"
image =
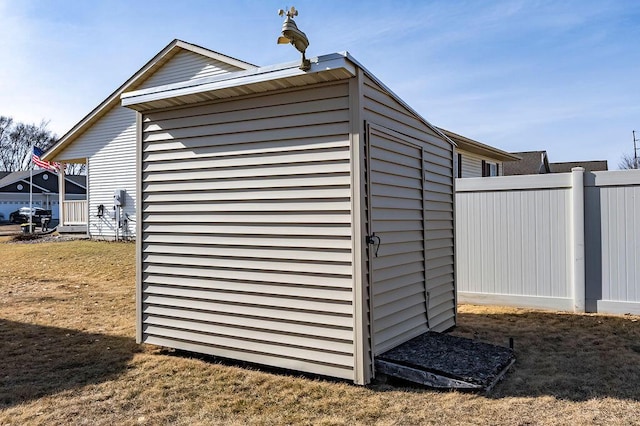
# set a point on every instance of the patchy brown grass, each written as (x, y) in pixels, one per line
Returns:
(68, 356)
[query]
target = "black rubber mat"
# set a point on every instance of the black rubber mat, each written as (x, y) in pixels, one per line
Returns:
(470, 361)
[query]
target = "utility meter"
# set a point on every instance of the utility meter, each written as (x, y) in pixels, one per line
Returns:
(118, 197)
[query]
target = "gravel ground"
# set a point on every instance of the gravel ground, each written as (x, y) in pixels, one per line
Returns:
(13, 230)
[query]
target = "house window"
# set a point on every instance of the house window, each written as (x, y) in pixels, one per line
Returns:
(458, 165)
(489, 169)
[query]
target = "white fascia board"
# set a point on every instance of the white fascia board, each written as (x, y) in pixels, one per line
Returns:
(258, 75)
(467, 144)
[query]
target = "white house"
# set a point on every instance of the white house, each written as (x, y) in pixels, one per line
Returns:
(476, 159)
(105, 140)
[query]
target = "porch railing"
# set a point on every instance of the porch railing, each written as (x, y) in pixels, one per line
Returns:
(74, 212)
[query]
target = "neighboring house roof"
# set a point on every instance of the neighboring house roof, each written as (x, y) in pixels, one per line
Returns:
(7, 183)
(589, 166)
(138, 78)
(3, 174)
(537, 162)
(21, 176)
(79, 180)
(531, 163)
(467, 144)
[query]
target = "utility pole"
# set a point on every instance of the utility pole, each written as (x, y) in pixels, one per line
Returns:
(635, 150)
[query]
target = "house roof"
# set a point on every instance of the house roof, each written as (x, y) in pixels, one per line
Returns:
(331, 67)
(23, 176)
(467, 144)
(589, 166)
(536, 162)
(79, 180)
(142, 74)
(531, 163)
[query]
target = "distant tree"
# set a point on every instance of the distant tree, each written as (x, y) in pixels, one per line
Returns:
(17, 140)
(628, 162)
(76, 169)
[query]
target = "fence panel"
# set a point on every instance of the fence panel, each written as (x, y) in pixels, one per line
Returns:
(613, 241)
(520, 241)
(513, 240)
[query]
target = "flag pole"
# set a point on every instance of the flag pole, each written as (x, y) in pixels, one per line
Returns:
(31, 193)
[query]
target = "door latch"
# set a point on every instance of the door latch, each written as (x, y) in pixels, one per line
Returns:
(373, 239)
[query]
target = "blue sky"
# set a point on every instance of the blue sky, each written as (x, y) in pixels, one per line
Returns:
(519, 75)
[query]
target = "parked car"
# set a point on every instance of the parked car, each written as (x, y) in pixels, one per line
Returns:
(22, 215)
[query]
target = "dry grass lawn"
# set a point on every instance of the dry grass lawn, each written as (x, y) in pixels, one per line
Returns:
(68, 356)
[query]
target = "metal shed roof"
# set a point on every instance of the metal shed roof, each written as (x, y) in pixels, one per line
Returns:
(323, 69)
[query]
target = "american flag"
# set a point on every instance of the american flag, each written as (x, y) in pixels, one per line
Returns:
(37, 153)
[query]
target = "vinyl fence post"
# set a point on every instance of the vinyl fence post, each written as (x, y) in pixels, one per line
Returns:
(577, 239)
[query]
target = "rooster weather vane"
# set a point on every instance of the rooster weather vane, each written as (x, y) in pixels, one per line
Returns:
(291, 34)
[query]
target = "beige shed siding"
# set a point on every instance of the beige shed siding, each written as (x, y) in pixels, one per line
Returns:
(185, 66)
(398, 265)
(382, 109)
(246, 230)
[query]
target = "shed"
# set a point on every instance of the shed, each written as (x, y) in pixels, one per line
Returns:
(296, 219)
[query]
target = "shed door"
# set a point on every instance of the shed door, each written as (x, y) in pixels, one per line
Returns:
(397, 264)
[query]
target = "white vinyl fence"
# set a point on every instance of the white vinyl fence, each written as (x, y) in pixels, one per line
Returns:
(568, 241)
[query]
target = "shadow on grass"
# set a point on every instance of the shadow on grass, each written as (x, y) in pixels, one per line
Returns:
(572, 357)
(39, 360)
(565, 356)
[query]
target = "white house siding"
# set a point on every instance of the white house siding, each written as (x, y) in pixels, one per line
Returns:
(109, 145)
(472, 165)
(437, 201)
(246, 239)
(185, 66)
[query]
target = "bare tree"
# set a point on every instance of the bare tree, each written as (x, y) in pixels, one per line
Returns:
(17, 140)
(628, 162)
(75, 169)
